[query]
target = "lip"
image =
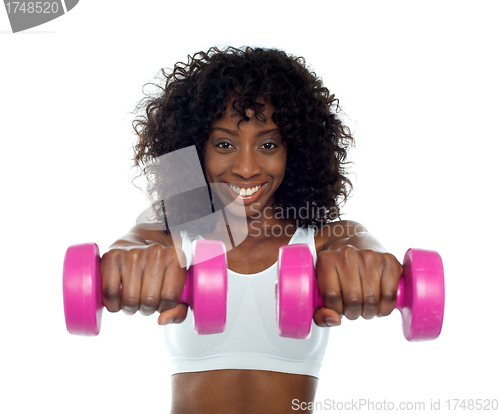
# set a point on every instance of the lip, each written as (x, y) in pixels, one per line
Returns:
(247, 199)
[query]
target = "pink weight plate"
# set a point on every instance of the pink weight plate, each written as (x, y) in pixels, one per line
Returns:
(295, 291)
(421, 295)
(82, 289)
(207, 283)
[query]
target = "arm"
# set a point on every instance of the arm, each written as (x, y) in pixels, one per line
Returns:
(351, 233)
(140, 237)
(356, 276)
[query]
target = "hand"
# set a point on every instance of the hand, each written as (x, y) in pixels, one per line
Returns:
(151, 278)
(356, 283)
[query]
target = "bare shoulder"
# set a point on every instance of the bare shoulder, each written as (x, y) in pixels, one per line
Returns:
(336, 232)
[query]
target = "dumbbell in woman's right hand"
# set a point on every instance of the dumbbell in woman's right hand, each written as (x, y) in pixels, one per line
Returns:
(147, 279)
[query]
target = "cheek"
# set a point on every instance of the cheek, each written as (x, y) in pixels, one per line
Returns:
(210, 163)
(210, 170)
(277, 169)
(216, 163)
(215, 167)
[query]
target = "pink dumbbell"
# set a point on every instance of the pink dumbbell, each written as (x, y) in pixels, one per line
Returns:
(205, 290)
(420, 297)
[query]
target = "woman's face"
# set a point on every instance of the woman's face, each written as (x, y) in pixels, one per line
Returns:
(246, 161)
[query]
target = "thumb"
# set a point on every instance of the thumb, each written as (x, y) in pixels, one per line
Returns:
(325, 317)
(175, 315)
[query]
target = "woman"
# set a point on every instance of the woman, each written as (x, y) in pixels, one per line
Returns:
(268, 137)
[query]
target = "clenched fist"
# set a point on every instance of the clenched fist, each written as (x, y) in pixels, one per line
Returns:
(147, 278)
(356, 282)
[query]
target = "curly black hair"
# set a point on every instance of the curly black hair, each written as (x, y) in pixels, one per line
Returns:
(194, 94)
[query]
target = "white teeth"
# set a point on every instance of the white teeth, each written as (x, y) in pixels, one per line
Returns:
(244, 192)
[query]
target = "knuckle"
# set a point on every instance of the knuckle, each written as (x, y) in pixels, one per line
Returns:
(110, 293)
(353, 302)
(156, 251)
(134, 253)
(169, 299)
(112, 253)
(111, 256)
(130, 302)
(391, 261)
(390, 257)
(343, 254)
(107, 256)
(150, 302)
(370, 256)
(389, 295)
(332, 296)
(349, 250)
(371, 301)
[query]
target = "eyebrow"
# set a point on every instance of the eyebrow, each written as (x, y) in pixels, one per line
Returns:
(236, 133)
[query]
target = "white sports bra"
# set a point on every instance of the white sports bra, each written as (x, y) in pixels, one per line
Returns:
(250, 340)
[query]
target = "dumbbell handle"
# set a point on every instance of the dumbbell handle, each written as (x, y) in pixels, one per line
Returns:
(404, 292)
(186, 296)
(202, 256)
(400, 301)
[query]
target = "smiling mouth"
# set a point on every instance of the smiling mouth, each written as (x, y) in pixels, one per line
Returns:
(247, 194)
(244, 192)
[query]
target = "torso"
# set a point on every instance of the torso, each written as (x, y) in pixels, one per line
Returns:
(233, 391)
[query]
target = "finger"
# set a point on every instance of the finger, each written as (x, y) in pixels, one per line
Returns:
(328, 282)
(131, 281)
(152, 279)
(174, 280)
(175, 315)
(370, 284)
(350, 284)
(111, 280)
(389, 286)
(325, 317)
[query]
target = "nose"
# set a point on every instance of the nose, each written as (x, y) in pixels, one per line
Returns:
(246, 164)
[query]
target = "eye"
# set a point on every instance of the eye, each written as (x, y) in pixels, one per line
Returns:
(223, 145)
(269, 145)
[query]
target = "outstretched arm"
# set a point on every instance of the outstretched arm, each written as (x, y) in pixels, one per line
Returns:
(138, 236)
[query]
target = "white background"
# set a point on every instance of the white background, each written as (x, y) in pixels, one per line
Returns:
(419, 84)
